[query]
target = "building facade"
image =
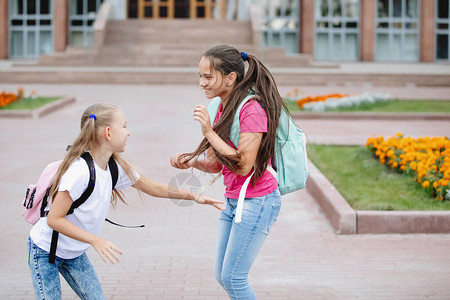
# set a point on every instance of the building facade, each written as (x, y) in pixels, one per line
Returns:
(328, 30)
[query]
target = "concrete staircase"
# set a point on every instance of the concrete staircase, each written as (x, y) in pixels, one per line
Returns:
(168, 52)
(168, 43)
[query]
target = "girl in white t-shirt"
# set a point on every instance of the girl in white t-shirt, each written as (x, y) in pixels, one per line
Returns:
(104, 134)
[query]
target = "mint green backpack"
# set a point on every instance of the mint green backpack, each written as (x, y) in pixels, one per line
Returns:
(291, 160)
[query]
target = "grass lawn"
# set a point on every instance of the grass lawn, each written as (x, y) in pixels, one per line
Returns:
(405, 106)
(29, 103)
(368, 185)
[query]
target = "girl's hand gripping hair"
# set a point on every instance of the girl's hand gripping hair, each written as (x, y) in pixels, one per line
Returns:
(179, 163)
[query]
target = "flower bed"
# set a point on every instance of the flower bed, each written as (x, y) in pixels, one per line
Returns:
(334, 101)
(7, 98)
(428, 159)
(310, 101)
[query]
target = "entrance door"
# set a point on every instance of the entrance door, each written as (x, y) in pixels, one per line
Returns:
(155, 9)
(194, 9)
(207, 9)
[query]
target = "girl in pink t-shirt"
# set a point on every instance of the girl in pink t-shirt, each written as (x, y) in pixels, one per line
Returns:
(222, 74)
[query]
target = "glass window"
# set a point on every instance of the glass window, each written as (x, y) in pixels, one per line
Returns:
(397, 8)
(351, 46)
(442, 30)
(336, 30)
(442, 9)
(383, 8)
(411, 8)
(321, 47)
(45, 7)
(351, 9)
(31, 43)
(280, 24)
(31, 7)
(397, 30)
(17, 44)
(442, 46)
(82, 14)
(30, 28)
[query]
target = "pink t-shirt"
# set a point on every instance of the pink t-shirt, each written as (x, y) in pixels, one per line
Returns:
(252, 118)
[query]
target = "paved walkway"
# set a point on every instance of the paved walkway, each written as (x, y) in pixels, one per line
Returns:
(172, 257)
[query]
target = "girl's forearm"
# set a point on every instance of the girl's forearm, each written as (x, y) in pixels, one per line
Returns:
(220, 145)
(163, 190)
(63, 226)
(207, 165)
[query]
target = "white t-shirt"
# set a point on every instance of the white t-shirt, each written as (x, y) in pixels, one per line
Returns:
(89, 216)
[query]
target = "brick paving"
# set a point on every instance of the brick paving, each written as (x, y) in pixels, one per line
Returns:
(173, 256)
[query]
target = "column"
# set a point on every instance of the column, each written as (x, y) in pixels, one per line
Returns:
(4, 18)
(367, 30)
(307, 27)
(61, 25)
(427, 36)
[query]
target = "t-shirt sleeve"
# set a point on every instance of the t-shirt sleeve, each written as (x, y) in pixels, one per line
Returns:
(75, 180)
(252, 117)
(124, 181)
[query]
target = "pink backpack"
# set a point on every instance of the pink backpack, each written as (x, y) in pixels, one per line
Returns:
(37, 194)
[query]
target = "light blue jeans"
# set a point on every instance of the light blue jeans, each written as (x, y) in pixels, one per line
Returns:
(238, 244)
(78, 272)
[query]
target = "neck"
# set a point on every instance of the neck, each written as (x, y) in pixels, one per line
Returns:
(101, 156)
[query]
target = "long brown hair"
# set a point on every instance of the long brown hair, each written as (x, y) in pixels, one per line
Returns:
(104, 116)
(258, 80)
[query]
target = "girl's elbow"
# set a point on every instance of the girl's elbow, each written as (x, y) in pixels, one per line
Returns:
(244, 171)
(51, 221)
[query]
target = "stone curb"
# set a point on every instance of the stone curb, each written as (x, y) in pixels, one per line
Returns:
(370, 116)
(345, 220)
(338, 212)
(38, 112)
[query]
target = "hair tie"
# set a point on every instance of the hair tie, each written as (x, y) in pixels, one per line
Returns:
(244, 56)
(93, 117)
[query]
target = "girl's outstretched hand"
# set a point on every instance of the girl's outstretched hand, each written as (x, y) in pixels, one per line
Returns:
(202, 116)
(201, 199)
(106, 249)
(178, 162)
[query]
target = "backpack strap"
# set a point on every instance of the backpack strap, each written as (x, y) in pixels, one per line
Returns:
(235, 132)
(114, 171)
(90, 188)
(213, 108)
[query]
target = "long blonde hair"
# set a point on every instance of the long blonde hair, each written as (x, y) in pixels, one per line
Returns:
(104, 114)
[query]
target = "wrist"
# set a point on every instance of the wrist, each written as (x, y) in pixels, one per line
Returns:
(209, 135)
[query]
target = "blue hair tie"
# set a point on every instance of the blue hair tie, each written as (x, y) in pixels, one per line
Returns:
(244, 56)
(93, 117)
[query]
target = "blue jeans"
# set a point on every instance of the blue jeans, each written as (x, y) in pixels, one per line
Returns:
(238, 244)
(78, 272)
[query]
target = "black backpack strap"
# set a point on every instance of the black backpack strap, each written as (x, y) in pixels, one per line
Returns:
(114, 171)
(54, 243)
(90, 188)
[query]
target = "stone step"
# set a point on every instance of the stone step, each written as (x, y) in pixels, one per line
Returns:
(175, 24)
(178, 31)
(292, 77)
(169, 43)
